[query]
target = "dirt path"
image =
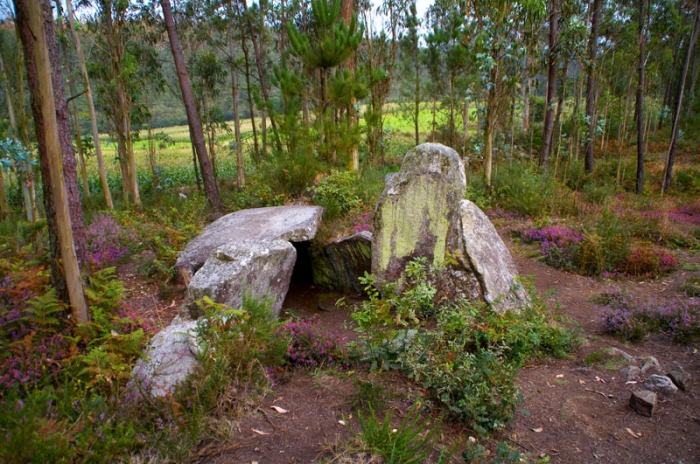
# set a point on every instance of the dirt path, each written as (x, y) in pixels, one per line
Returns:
(571, 412)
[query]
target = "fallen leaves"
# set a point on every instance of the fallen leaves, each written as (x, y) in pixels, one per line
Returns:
(538, 430)
(260, 432)
(279, 410)
(634, 434)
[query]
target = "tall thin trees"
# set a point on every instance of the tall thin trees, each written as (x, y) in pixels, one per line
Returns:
(193, 120)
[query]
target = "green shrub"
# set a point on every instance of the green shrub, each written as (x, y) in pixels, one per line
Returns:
(467, 358)
(335, 192)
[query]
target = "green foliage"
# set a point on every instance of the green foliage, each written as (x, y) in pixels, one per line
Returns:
(468, 357)
(524, 190)
(336, 193)
(406, 444)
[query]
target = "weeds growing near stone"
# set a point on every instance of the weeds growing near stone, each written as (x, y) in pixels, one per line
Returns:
(464, 354)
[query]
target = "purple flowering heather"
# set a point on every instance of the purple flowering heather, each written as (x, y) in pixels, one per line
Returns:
(558, 244)
(309, 347)
(106, 240)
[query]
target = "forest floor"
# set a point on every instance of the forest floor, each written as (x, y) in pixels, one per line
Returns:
(571, 412)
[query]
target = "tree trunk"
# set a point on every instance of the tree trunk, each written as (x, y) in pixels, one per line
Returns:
(262, 75)
(91, 108)
(639, 187)
(240, 171)
(32, 17)
(65, 138)
(670, 157)
(551, 85)
(191, 109)
(590, 84)
(251, 106)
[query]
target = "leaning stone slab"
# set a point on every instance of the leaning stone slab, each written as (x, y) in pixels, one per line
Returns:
(261, 268)
(491, 260)
(418, 215)
(661, 384)
(291, 223)
(170, 359)
(643, 402)
(680, 378)
(339, 264)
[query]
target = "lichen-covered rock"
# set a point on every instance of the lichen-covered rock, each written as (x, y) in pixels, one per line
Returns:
(418, 215)
(169, 360)
(338, 264)
(256, 267)
(490, 260)
(661, 384)
(291, 223)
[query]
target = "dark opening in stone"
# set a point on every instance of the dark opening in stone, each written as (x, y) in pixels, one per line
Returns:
(302, 273)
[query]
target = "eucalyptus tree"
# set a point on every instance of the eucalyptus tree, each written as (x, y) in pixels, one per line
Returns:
(596, 7)
(671, 154)
(639, 106)
(378, 53)
(114, 68)
(209, 75)
(554, 7)
(410, 66)
(91, 105)
(35, 23)
(194, 122)
(497, 24)
(450, 43)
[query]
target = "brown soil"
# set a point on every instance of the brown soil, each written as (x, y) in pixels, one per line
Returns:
(571, 412)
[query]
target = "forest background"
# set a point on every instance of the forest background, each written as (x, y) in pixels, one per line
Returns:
(579, 119)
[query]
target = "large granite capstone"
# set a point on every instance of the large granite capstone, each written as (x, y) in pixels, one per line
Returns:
(291, 223)
(259, 268)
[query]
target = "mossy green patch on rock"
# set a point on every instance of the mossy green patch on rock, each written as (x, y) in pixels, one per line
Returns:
(418, 210)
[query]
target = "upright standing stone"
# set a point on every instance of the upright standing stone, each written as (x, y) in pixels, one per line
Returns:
(418, 215)
(422, 213)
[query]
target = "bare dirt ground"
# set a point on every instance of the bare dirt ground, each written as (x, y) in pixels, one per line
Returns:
(571, 412)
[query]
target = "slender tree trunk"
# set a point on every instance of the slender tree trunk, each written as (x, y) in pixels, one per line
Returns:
(70, 171)
(551, 85)
(670, 157)
(32, 17)
(192, 117)
(465, 126)
(251, 105)
(4, 206)
(91, 108)
(590, 85)
(240, 171)
(259, 61)
(526, 94)
(639, 187)
(491, 116)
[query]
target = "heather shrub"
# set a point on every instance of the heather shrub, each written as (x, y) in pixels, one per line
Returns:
(649, 262)
(559, 244)
(310, 347)
(107, 240)
(680, 319)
